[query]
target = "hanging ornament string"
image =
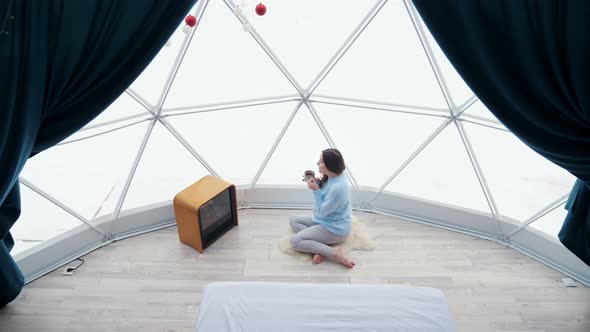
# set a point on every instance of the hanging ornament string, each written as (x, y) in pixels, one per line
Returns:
(3, 31)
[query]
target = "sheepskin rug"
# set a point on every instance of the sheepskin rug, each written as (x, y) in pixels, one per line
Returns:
(358, 239)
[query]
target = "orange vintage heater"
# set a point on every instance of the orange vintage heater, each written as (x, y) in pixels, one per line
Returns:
(205, 211)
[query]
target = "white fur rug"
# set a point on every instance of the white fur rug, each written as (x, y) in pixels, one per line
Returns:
(358, 239)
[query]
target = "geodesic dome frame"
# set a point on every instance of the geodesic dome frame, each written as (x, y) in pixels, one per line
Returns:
(464, 198)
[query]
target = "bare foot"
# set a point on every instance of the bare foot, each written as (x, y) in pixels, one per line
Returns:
(339, 256)
(317, 258)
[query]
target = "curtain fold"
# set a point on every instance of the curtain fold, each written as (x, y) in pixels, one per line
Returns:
(529, 63)
(62, 63)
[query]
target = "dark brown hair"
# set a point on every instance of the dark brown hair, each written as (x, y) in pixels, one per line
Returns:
(334, 162)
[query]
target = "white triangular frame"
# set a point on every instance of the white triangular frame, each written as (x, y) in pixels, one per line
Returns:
(307, 97)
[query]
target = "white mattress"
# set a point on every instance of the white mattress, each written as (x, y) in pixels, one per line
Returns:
(283, 307)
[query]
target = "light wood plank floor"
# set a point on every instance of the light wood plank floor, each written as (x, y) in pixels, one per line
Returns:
(154, 283)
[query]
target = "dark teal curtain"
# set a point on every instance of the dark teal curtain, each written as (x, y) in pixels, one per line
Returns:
(62, 62)
(529, 63)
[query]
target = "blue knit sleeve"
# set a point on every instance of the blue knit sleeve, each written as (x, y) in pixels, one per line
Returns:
(326, 203)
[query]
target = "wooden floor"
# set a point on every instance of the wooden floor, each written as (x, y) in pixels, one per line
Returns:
(154, 283)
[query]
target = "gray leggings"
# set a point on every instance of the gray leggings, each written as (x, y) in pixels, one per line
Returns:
(312, 237)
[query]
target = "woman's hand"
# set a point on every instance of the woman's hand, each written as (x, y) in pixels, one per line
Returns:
(312, 184)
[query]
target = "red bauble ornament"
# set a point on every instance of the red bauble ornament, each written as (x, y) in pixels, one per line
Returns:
(260, 9)
(191, 21)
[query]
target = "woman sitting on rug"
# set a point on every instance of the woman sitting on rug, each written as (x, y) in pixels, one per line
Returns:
(331, 220)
